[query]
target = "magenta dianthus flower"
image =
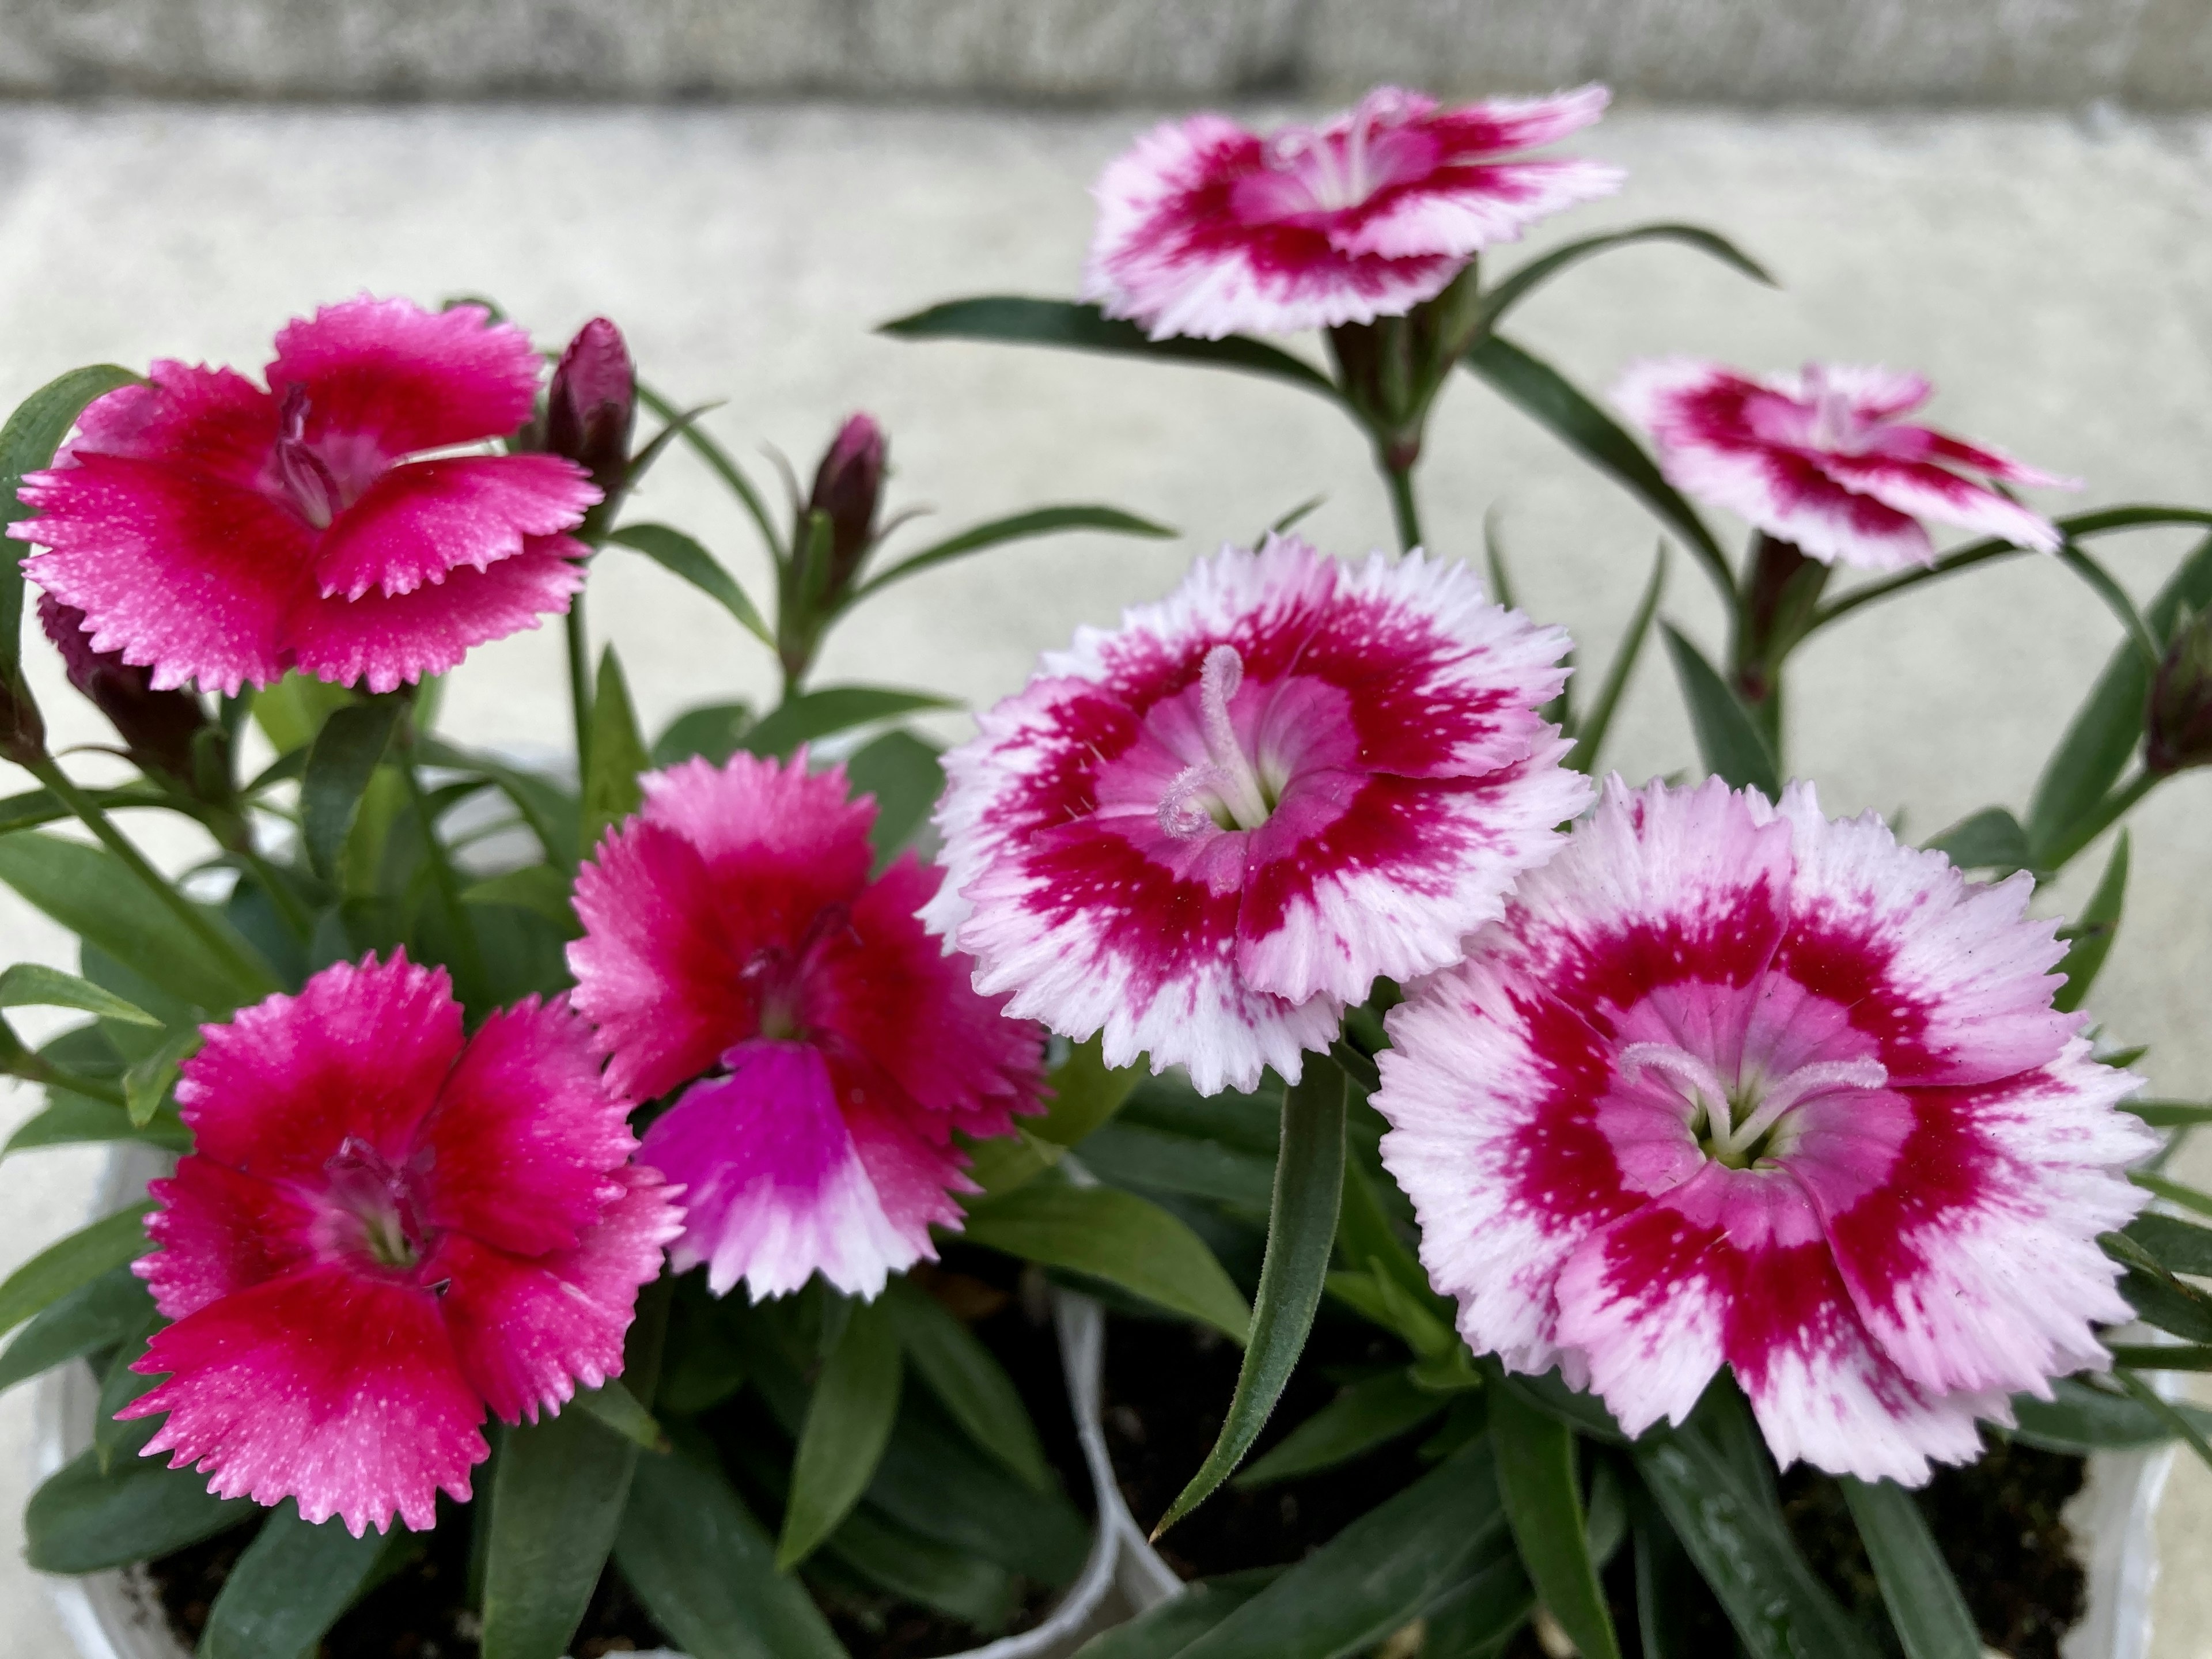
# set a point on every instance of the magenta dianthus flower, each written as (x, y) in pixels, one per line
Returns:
(1208, 228)
(1205, 833)
(216, 532)
(1732, 1084)
(385, 1230)
(731, 935)
(1825, 460)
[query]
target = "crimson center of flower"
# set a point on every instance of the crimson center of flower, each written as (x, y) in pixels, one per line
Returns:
(312, 487)
(777, 974)
(1738, 1125)
(1229, 789)
(378, 1210)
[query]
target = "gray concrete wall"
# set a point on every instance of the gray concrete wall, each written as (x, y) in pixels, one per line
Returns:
(2155, 53)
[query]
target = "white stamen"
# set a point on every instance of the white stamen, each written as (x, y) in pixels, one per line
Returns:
(1698, 1081)
(1794, 1087)
(1234, 780)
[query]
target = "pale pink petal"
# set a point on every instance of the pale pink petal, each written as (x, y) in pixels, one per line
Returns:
(360, 1052)
(403, 380)
(220, 1231)
(530, 1332)
(1927, 491)
(326, 1386)
(385, 641)
(1495, 126)
(1465, 209)
(776, 1189)
(183, 572)
(419, 522)
(525, 1148)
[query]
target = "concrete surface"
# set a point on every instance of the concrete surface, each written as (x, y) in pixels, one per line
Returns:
(2050, 276)
(2151, 52)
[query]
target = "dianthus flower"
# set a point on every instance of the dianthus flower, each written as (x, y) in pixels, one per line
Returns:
(731, 935)
(1208, 228)
(1736, 1084)
(1824, 460)
(216, 532)
(1205, 833)
(385, 1230)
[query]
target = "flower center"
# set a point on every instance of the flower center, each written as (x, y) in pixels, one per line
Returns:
(378, 1198)
(1736, 1124)
(1837, 425)
(1342, 170)
(1226, 790)
(776, 975)
(310, 483)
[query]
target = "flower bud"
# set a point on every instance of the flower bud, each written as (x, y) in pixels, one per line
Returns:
(848, 486)
(157, 727)
(593, 405)
(2178, 728)
(22, 732)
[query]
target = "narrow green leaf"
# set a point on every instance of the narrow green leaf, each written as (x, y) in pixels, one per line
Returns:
(27, 444)
(97, 1314)
(1157, 1161)
(933, 1481)
(2117, 600)
(2181, 1247)
(1018, 526)
(716, 730)
(1543, 393)
(968, 1382)
(83, 1519)
(719, 462)
(1084, 1093)
(2162, 1357)
(33, 985)
(1519, 284)
(615, 1408)
(2089, 939)
(1377, 1575)
(1924, 1605)
(2173, 1192)
(1116, 1236)
(612, 792)
(683, 558)
(1731, 746)
(1008, 319)
(75, 1262)
(1169, 1628)
(1992, 839)
(922, 1570)
(557, 1498)
(75, 1119)
(1536, 1455)
(1369, 1413)
(96, 896)
(705, 1570)
(1477, 1620)
(289, 1586)
(114, 1441)
(2080, 1418)
(813, 715)
(1591, 733)
(549, 810)
(906, 777)
(540, 888)
(848, 1423)
(1301, 1235)
(345, 756)
(1312, 504)
(146, 1085)
(2108, 726)
(1779, 1609)
(1666, 1584)
(2185, 1427)
(2169, 1114)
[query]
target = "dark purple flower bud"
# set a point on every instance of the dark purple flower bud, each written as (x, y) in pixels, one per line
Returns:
(157, 727)
(2179, 728)
(22, 732)
(593, 405)
(849, 486)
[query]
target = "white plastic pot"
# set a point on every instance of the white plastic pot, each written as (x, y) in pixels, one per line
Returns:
(117, 1615)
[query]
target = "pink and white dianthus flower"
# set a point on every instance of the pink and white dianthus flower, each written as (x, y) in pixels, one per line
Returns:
(1825, 460)
(385, 1230)
(1207, 228)
(1736, 1084)
(217, 533)
(1207, 832)
(732, 935)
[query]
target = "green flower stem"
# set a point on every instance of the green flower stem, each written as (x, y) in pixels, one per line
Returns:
(469, 963)
(580, 681)
(16, 1061)
(1403, 508)
(251, 968)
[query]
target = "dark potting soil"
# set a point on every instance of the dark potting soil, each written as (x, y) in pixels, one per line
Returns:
(421, 1611)
(1167, 1393)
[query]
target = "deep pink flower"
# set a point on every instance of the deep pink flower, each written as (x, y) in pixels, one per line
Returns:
(385, 1231)
(1825, 460)
(1737, 1084)
(731, 935)
(1208, 228)
(1207, 832)
(216, 532)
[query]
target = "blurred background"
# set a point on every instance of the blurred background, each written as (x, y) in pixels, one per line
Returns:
(2011, 195)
